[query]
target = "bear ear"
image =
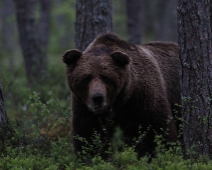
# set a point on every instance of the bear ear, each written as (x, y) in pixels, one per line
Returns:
(120, 58)
(71, 56)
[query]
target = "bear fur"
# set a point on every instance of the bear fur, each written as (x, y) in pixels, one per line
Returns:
(135, 86)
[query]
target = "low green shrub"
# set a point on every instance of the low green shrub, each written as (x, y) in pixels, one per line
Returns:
(24, 151)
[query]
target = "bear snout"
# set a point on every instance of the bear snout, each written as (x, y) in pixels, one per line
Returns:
(97, 96)
(98, 100)
(97, 103)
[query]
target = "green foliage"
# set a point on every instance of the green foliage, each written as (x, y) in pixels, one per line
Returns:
(35, 151)
(42, 116)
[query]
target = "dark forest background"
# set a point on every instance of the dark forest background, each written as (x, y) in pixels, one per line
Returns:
(158, 21)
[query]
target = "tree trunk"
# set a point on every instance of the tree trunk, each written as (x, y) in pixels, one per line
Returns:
(164, 31)
(6, 130)
(211, 13)
(148, 14)
(44, 28)
(173, 34)
(35, 62)
(92, 18)
(7, 26)
(119, 20)
(8, 32)
(165, 20)
(66, 38)
(133, 10)
(3, 115)
(196, 74)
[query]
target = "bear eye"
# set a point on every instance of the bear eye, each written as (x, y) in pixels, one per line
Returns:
(86, 80)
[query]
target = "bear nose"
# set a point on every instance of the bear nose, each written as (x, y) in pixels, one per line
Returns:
(97, 99)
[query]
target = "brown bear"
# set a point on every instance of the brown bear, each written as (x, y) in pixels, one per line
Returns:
(135, 86)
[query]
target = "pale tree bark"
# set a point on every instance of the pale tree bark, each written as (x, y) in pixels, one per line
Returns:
(92, 18)
(196, 74)
(3, 114)
(134, 20)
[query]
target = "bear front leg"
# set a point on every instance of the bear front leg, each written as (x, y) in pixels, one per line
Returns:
(162, 119)
(84, 124)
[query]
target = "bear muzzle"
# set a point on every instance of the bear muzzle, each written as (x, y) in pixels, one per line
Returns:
(97, 103)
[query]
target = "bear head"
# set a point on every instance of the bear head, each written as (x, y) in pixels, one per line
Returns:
(100, 74)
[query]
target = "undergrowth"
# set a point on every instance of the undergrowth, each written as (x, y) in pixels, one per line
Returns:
(39, 133)
(39, 151)
(23, 152)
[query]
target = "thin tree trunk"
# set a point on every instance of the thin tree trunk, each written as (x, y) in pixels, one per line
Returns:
(119, 23)
(173, 34)
(7, 26)
(35, 62)
(211, 13)
(165, 20)
(64, 40)
(158, 10)
(148, 15)
(44, 28)
(6, 130)
(8, 31)
(3, 114)
(164, 32)
(133, 9)
(92, 18)
(196, 74)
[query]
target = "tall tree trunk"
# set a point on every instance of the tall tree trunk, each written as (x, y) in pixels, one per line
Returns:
(65, 39)
(6, 130)
(211, 13)
(44, 28)
(92, 18)
(133, 9)
(119, 23)
(196, 74)
(8, 31)
(172, 6)
(3, 115)
(164, 31)
(35, 62)
(7, 26)
(165, 20)
(148, 14)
